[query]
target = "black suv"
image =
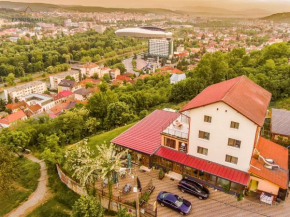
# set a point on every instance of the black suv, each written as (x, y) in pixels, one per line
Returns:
(194, 188)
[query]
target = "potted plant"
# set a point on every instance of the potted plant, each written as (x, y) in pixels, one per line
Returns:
(161, 174)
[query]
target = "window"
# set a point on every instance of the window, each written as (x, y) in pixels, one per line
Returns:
(207, 119)
(201, 150)
(171, 143)
(231, 159)
(235, 125)
(234, 143)
(203, 135)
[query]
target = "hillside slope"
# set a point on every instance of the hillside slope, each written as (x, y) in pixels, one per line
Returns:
(280, 17)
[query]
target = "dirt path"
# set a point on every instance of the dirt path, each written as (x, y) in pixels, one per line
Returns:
(38, 196)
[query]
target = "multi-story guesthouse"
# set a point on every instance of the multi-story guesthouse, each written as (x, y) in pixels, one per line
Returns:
(214, 139)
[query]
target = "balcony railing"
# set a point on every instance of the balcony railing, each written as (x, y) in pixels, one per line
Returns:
(176, 133)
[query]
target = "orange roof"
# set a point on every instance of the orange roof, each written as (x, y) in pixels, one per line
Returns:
(13, 117)
(89, 80)
(240, 93)
(17, 105)
(122, 78)
(176, 71)
(35, 107)
(279, 154)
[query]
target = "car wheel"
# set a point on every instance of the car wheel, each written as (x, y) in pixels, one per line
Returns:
(182, 190)
(201, 198)
(182, 213)
(162, 204)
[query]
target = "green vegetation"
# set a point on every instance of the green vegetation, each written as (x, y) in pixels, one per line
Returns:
(62, 201)
(106, 136)
(268, 68)
(52, 55)
(279, 17)
(51, 208)
(87, 206)
(22, 187)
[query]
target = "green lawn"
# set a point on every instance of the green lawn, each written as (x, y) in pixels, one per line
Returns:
(281, 104)
(24, 185)
(51, 208)
(107, 136)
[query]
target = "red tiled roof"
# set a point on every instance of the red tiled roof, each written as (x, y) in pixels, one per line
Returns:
(279, 154)
(145, 136)
(17, 105)
(62, 94)
(122, 78)
(13, 117)
(240, 93)
(35, 107)
(203, 165)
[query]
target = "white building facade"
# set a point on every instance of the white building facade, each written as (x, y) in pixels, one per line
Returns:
(24, 89)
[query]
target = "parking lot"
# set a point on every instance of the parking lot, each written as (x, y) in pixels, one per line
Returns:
(219, 203)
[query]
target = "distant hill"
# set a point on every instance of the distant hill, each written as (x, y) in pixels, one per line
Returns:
(52, 7)
(280, 17)
(221, 12)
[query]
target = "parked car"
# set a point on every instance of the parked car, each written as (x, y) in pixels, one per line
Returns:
(194, 188)
(174, 202)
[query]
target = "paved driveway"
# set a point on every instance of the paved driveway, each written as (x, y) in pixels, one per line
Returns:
(218, 205)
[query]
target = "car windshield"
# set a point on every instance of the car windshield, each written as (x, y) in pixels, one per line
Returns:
(197, 187)
(163, 195)
(179, 201)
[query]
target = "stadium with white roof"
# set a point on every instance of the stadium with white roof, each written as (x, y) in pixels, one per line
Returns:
(160, 42)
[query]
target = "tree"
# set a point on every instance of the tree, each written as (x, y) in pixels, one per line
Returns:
(86, 59)
(8, 168)
(106, 77)
(87, 206)
(68, 77)
(88, 167)
(89, 84)
(118, 113)
(10, 79)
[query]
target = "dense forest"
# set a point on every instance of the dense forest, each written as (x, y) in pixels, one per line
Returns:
(49, 54)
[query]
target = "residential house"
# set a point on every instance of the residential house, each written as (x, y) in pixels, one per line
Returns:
(24, 89)
(88, 69)
(114, 73)
(215, 140)
(56, 79)
(95, 82)
(14, 107)
(63, 96)
(68, 85)
(280, 126)
(83, 93)
(10, 119)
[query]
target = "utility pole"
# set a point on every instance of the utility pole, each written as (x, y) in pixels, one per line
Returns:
(137, 194)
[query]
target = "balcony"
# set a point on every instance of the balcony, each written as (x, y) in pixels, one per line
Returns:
(179, 128)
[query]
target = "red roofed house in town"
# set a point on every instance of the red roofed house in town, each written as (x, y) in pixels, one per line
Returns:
(212, 140)
(63, 96)
(16, 106)
(9, 119)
